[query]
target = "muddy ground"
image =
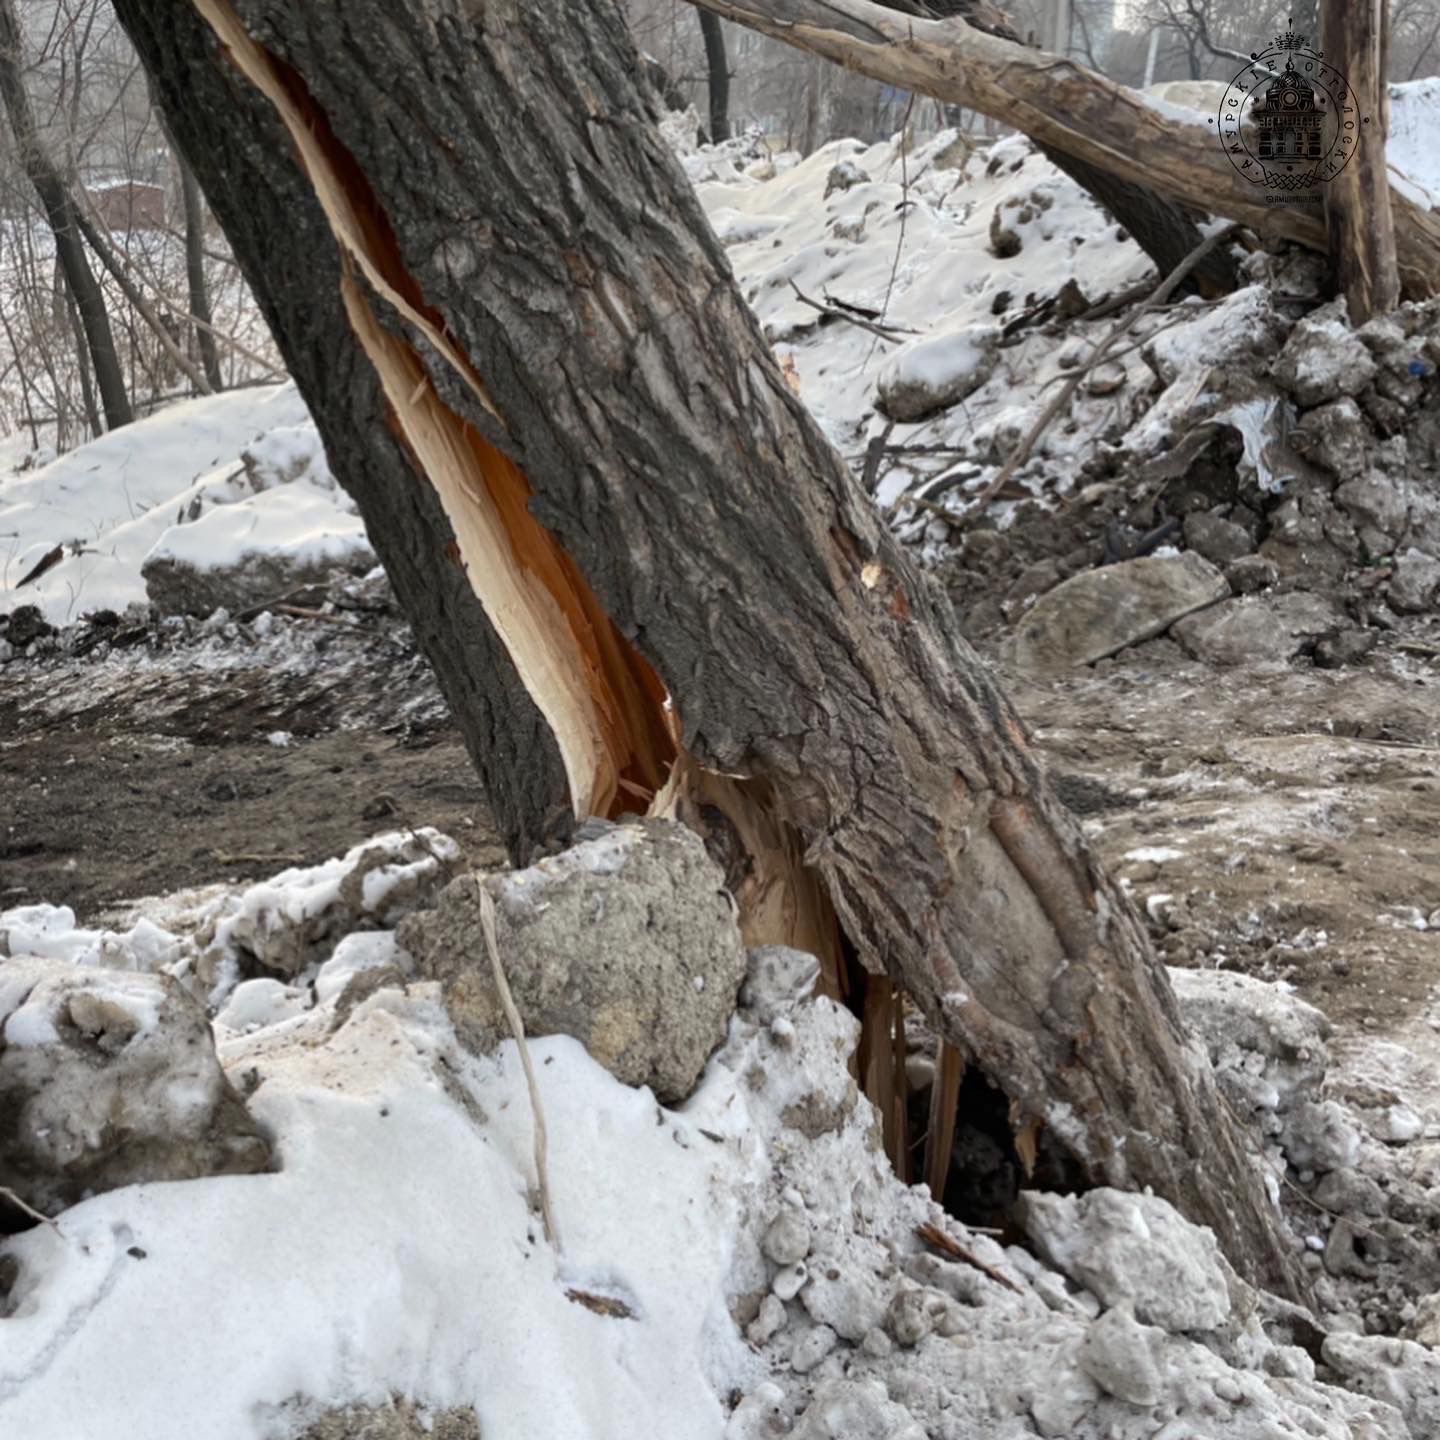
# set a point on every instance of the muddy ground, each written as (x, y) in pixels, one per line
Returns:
(154, 768)
(1283, 820)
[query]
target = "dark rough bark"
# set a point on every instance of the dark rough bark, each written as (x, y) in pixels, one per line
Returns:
(243, 160)
(541, 218)
(717, 67)
(1357, 200)
(59, 207)
(199, 289)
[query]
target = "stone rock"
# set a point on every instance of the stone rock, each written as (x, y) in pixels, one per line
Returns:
(777, 979)
(1131, 1247)
(844, 176)
(1066, 1396)
(1341, 1256)
(761, 1415)
(1425, 1327)
(293, 920)
(24, 625)
(1324, 359)
(1220, 541)
(1099, 612)
(855, 1410)
(1121, 1356)
(177, 587)
(1350, 1192)
(786, 1240)
(1251, 573)
(1346, 647)
(1318, 1136)
(936, 372)
(1414, 581)
(1399, 1372)
(1339, 439)
(811, 1348)
(851, 1301)
(1379, 508)
(910, 1317)
(1266, 630)
(397, 1419)
(627, 942)
(110, 1078)
(1239, 335)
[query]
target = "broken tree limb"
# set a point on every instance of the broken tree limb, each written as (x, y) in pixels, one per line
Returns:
(807, 676)
(1061, 104)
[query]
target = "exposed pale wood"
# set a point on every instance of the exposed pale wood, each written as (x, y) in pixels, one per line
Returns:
(601, 702)
(944, 1102)
(1062, 104)
(1358, 209)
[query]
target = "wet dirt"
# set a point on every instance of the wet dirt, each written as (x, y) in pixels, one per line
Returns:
(225, 758)
(1281, 821)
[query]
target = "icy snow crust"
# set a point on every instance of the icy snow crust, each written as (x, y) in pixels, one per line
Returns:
(752, 1243)
(174, 485)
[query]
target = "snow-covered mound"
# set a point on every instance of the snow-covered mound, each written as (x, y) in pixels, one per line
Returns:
(1410, 150)
(208, 484)
(740, 1266)
(945, 244)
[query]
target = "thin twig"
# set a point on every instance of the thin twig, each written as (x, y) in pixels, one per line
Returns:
(885, 332)
(937, 1239)
(517, 1029)
(8, 1194)
(904, 203)
(1163, 292)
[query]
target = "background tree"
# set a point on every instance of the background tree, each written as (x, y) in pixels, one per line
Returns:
(60, 213)
(717, 69)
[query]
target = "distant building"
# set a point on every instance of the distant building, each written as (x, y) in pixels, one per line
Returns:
(127, 205)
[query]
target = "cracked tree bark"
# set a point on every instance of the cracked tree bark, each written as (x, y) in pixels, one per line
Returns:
(522, 268)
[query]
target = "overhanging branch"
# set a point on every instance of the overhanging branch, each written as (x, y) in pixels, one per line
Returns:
(1060, 103)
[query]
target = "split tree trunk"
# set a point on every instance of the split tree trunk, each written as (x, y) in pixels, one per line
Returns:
(60, 213)
(517, 310)
(196, 282)
(717, 68)
(1357, 201)
(1064, 107)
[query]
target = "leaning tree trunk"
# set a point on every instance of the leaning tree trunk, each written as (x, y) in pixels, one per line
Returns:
(517, 312)
(59, 208)
(717, 69)
(197, 284)
(1357, 200)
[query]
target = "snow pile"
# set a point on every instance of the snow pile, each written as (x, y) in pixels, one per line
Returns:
(397, 1250)
(1410, 147)
(210, 484)
(947, 241)
(290, 924)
